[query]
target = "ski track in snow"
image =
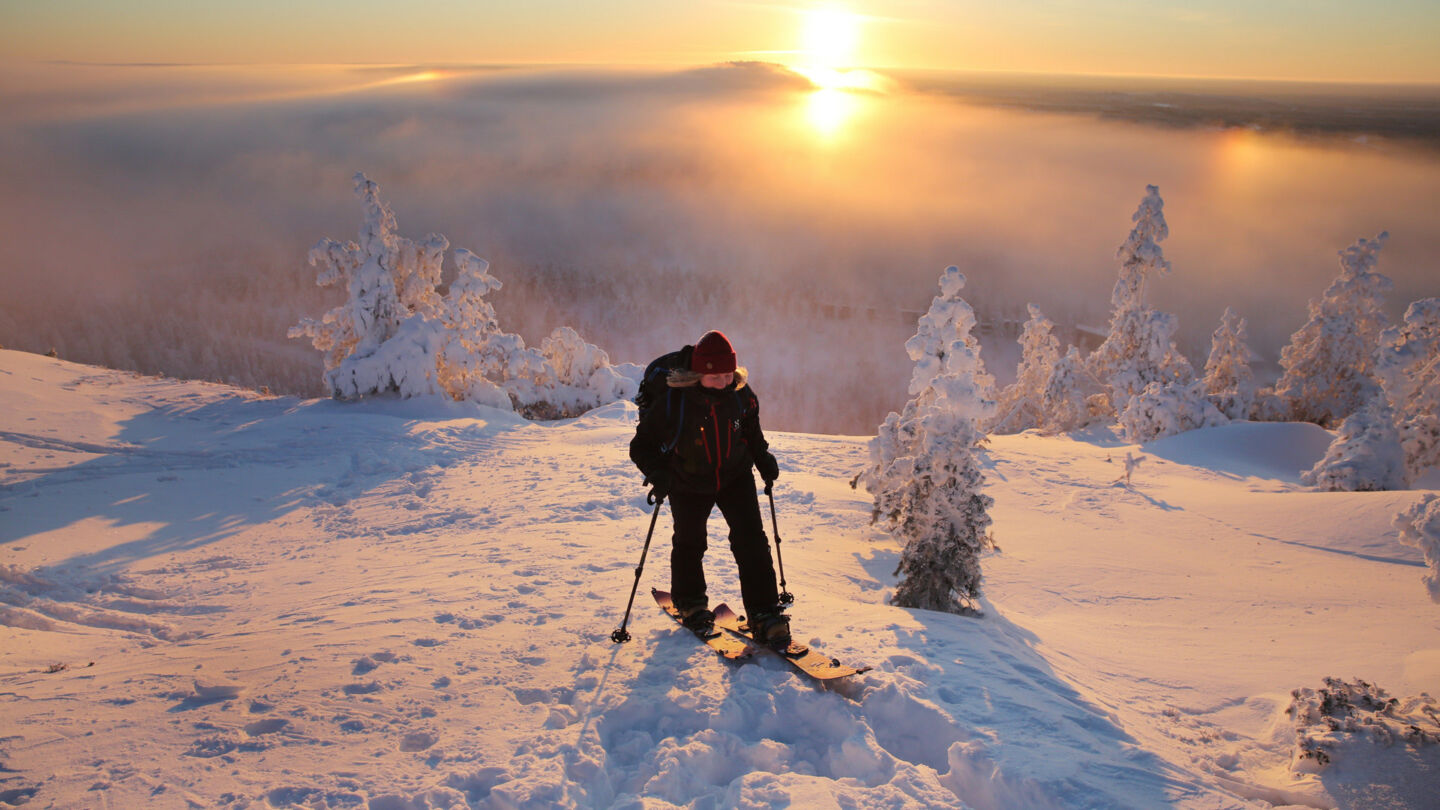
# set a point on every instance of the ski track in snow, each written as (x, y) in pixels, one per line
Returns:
(212, 598)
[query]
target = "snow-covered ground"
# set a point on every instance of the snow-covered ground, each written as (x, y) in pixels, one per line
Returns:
(211, 598)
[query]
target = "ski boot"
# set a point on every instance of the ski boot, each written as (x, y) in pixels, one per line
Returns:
(771, 628)
(699, 619)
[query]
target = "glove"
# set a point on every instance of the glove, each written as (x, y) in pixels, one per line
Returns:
(659, 482)
(769, 468)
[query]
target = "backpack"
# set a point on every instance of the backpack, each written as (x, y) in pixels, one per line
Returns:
(654, 389)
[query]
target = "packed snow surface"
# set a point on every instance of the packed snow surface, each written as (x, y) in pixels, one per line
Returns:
(212, 598)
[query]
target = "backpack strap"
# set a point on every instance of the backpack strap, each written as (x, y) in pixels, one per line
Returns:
(679, 423)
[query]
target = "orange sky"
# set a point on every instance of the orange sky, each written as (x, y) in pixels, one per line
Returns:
(1380, 40)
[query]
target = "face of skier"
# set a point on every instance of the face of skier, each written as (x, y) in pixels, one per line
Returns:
(717, 381)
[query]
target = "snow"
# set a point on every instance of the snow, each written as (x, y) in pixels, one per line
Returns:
(214, 598)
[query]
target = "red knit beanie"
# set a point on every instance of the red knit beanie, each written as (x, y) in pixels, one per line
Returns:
(713, 354)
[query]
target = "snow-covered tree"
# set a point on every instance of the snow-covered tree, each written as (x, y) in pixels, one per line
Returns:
(477, 351)
(1329, 363)
(1068, 402)
(1167, 409)
(1020, 405)
(1420, 527)
(570, 377)
(1366, 454)
(1228, 378)
(1408, 365)
(396, 334)
(406, 364)
(925, 474)
(1140, 348)
(372, 312)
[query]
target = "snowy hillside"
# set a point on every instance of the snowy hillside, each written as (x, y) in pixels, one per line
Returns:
(210, 598)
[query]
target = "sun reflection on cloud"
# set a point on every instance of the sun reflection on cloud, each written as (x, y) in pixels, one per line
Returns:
(419, 76)
(828, 109)
(837, 96)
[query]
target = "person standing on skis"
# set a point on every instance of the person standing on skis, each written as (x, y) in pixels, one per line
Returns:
(697, 447)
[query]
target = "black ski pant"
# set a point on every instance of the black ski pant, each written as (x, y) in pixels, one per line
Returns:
(741, 509)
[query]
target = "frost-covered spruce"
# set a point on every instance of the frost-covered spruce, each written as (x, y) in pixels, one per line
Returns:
(384, 337)
(581, 373)
(1140, 347)
(406, 364)
(477, 352)
(1408, 365)
(1365, 456)
(1167, 409)
(396, 334)
(1420, 527)
(566, 377)
(1020, 405)
(1329, 362)
(925, 474)
(372, 311)
(1066, 401)
(1229, 380)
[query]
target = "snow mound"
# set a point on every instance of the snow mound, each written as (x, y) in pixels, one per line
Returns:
(1279, 451)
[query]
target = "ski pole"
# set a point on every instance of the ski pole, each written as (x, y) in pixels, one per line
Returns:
(786, 597)
(620, 636)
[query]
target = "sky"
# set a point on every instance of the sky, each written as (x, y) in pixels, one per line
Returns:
(1322, 40)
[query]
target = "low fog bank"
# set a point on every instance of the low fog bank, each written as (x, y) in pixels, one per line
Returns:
(1406, 113)
(643, 208)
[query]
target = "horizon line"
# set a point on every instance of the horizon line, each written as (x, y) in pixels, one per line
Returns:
(685, 66)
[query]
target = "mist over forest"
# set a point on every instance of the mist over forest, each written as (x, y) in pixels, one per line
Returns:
(162, 225)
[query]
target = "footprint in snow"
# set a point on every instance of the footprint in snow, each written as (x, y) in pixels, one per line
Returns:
(268, 726)
(418, 740)
(368, 663)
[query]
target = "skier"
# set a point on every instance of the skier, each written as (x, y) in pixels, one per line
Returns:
(710, 425)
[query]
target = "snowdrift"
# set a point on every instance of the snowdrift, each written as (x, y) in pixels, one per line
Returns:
(214, 598)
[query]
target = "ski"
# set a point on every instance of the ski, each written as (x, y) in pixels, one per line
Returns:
(818, 666)
(730, 647)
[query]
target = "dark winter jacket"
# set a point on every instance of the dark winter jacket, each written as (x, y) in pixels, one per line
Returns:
(716, 436)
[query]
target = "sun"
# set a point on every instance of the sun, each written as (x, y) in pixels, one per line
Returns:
(829, 39)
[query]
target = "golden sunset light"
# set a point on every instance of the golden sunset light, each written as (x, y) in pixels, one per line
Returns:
(1385, 41)
(374, 378)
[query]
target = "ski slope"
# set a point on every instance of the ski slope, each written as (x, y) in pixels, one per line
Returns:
(213, 598)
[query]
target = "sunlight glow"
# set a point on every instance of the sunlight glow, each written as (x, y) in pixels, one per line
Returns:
(422, 76)
(1242, 156)
(831, 79)
(828, 109)
(828, 48)
(837, 96)
(830, 37)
